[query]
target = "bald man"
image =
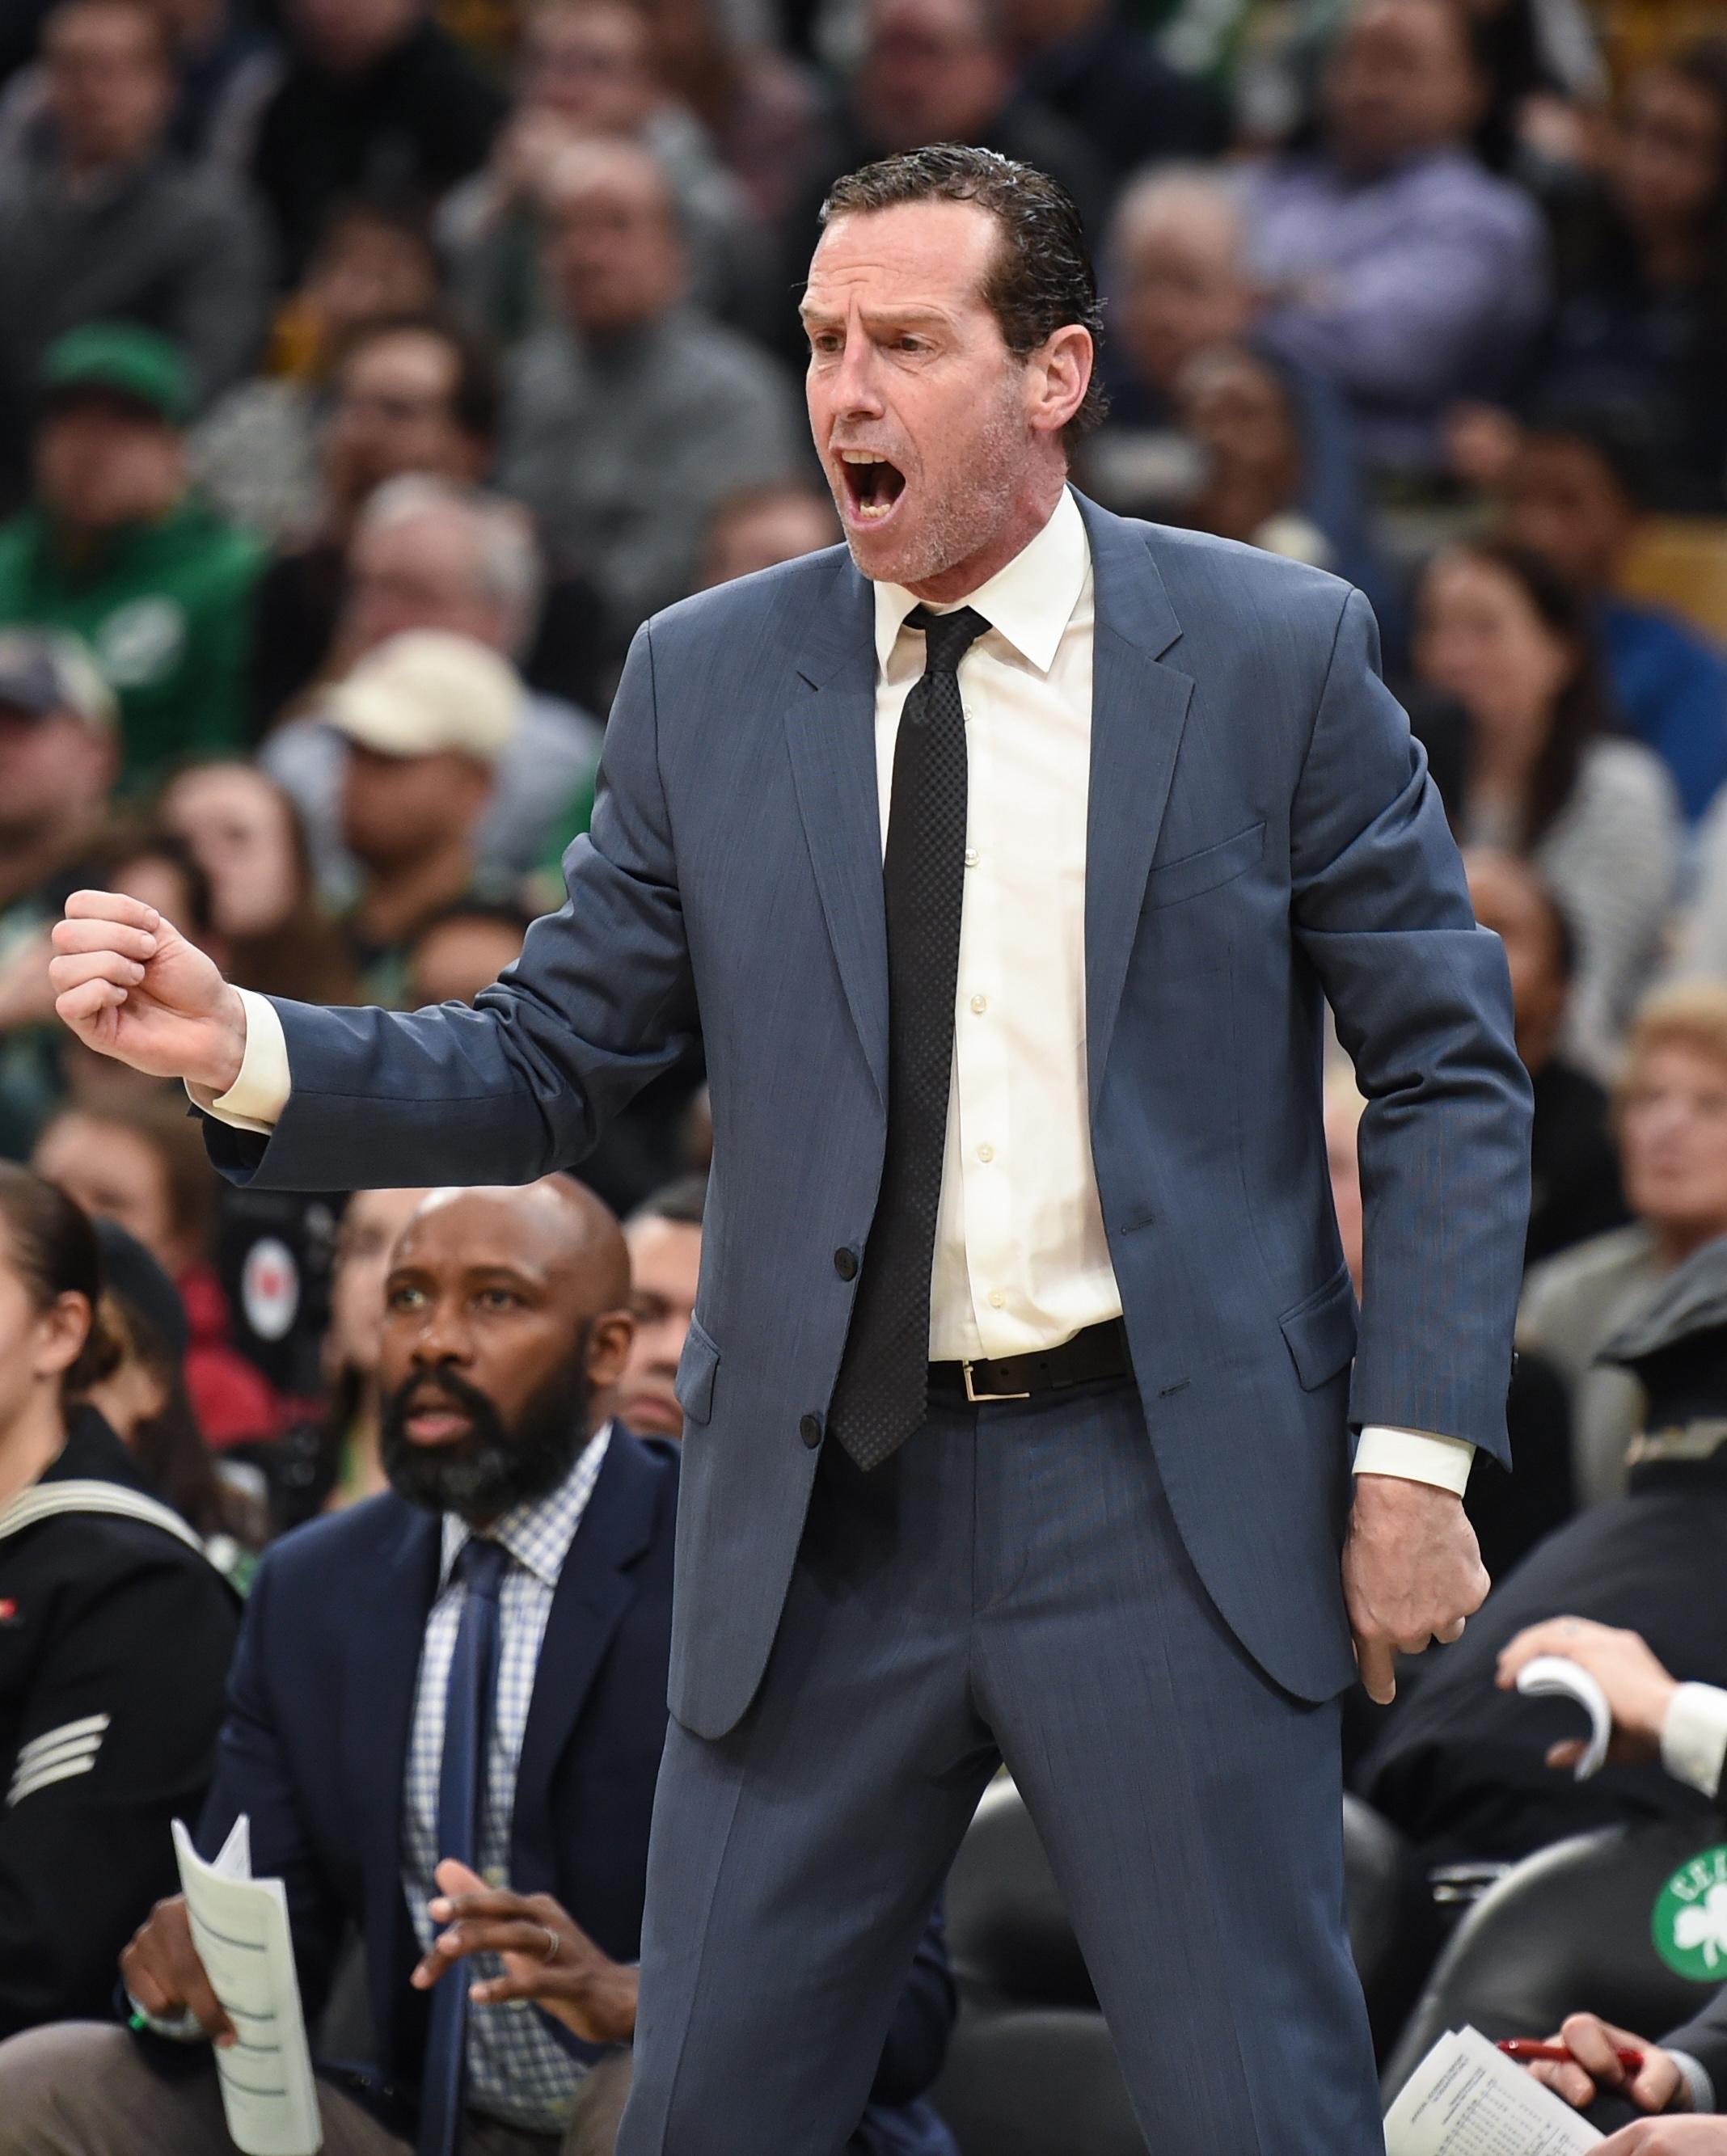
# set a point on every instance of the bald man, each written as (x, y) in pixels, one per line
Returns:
(505, 1328)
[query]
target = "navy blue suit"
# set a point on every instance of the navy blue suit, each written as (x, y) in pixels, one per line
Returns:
(315, 1746)
(1135, 1600)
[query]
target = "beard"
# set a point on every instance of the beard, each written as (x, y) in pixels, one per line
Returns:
(493, 1467)
(964, 517)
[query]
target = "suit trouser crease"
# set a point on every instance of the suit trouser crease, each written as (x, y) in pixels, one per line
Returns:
(1011, 1585)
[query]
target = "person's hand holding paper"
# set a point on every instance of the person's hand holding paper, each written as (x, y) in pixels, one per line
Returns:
(164, 1978)
(1638, 1690)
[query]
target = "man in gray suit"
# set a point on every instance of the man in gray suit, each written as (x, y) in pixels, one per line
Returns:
(1007, 858)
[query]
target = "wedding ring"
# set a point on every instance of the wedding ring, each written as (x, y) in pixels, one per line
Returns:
(551, 1943)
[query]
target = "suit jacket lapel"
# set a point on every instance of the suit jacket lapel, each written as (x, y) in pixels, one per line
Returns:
(831, 732)
(392, 1599)
(1138, 711)
(593, 1590)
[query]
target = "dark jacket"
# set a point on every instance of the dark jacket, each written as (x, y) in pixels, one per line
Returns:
(316, 1740)
(115, 1640)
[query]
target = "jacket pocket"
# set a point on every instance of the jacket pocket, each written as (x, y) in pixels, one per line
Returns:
(1171, 881)
(694, 1382)
(1320, 1331)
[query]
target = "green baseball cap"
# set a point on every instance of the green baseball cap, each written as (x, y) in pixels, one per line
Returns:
(124, 361)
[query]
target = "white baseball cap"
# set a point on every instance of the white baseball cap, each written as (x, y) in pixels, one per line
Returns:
(429, 691)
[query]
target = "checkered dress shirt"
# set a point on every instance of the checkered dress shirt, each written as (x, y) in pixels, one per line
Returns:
(517, 2070)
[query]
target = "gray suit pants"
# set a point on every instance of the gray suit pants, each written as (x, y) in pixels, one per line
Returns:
(1009, 1587)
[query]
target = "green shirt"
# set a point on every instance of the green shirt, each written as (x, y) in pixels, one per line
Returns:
(165, 608)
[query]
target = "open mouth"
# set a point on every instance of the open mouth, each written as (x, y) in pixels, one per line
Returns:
(434, 1422)
(873, 485)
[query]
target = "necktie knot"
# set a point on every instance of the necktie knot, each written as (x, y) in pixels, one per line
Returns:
(481, 1564)
(948, 637)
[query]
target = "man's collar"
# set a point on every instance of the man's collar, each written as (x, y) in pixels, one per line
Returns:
(1029, 601)
(536, 1535)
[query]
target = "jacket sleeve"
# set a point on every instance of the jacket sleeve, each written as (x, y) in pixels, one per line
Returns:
(117, 1742)
(1704, 2039)
(253, 1776)
(922, 2022)
(600, 1002)
(1422, 1001)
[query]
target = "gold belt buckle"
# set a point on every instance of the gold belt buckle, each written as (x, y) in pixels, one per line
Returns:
(975, 1397)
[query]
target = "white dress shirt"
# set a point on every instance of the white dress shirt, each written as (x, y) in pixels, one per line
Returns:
(1021, 1258)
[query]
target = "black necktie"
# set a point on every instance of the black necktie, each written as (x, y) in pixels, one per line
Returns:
(461, 1804)
(883, 1391)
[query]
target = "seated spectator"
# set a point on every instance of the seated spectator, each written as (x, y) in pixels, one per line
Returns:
(504, 1337)
(1400, 268)
(117, 1642)
(244, 832)
(375, 96)
(428, 556)
(1462, 1767)
(1510, 1513)
(1671, 1114)
(664, 1236)
(1573, 1164)
(144, 1401)
(587, 69)
(58, 754)
(758, 527)
(1502, 632)
(254, 456)
(1241, 411)
(627, 419)
(105, 224)
(224, 66)
(1641, 321)
(463, 950)
(937, 71)
(415, 397)
(1576, 493)
(143, 1167)
(424, 722)
(116, 550)
(333, 1461)
(1091, 64)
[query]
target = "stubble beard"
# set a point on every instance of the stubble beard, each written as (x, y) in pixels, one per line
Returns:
(962, 520)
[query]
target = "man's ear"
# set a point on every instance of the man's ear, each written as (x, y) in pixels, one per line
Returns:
(1059, 373)
(608, 1338)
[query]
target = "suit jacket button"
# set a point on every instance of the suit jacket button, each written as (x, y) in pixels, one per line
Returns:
(845, 1264)
(810, 1430)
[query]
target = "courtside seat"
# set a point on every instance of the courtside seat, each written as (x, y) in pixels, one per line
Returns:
(1564, 1931)
(1030, 2069)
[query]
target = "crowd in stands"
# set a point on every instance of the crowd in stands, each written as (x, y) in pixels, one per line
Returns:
(370, 370)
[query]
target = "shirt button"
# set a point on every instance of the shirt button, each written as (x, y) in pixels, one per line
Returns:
(986, 1153)
(810, 1430)
(997, 1299)
(971, 858)
(980, 1004)
(845, 1264)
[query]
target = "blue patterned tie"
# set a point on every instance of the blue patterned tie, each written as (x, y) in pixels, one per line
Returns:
(481, 1566)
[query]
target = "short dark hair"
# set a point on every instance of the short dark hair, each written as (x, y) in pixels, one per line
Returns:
(681, 1202)
(477, 397)
(1041, 279)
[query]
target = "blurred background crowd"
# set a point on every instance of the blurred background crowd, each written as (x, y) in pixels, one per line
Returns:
(371, 369)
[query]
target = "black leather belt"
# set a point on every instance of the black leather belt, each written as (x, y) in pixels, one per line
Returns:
(1099, 1352)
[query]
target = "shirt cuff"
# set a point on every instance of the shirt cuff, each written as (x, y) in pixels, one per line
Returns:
(257, 1097)
(1698, 2092)
(1693, 1740)
(1414, 1455)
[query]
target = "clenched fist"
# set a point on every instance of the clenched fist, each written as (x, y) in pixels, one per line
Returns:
(129, 985)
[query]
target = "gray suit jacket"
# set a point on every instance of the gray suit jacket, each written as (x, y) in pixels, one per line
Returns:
(1262, 837)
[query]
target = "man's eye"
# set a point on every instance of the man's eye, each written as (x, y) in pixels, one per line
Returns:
(498, 1298)
(405, 1298)
(824, 341)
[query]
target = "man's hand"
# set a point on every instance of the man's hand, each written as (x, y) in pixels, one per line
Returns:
(162, 1971)
(1639, 1689)
(129, 985)
(1592, 2066)
(1412, 1572)
(548, 1956)
(1669, 2136)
